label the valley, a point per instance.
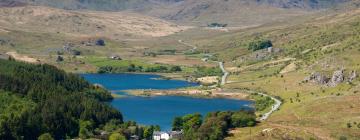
(298, 60)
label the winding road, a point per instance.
(226, 73)
(265, 116)
(275, 107)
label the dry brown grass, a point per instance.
(85, 23)
(23, 58)
(178, 60)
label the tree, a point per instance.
(86, 128)
(215, 125)
(117, 136)
(177, 124)
(259, 44)
(45, 136)
(175, 69)
(59, 59)
(100, 42)
(148, 131)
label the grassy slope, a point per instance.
(333, 43)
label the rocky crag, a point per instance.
(337, 78)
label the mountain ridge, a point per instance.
(201, 12)
(116, 5)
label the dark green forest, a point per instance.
(39, 99)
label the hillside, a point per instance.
(195, 12)
(115, 5)
(84, 23)
(11, 3)
(326, 45)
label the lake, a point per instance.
(159, 110)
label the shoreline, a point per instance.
(194, 93)
(165, 76)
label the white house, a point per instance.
(158, 135)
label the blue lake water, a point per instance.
(159, 110)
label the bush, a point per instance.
(59, 59)
(100, 42)
(75, 52)
(343, 138)
(175, 69)
(217, 25)
(117, 136)
(259, 44)
(45, 136)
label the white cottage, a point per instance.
(158, 135)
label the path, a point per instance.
(226, 73)
(275, 107)
(187, 44)
(277, 104)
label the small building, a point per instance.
(158, 135)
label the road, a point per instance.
(187, 44)
(225, 73)
(265, 116)
(275, 107)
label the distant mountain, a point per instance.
(304, 4)
(11, 3)
(201, 12)
(115, 5)
(82, 23)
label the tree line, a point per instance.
(135, 68)
(214, 126)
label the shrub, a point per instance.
(100, 42)
(216, 25)
(45, 136)
(117, 136)
(175, 69)
(259, 44)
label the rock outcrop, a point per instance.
(317, 78)
(337, 78)
(352, 76)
